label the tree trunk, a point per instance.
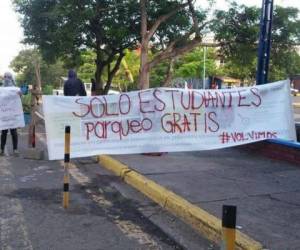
(37, 70)
(144, 66)
(36, 95)
(242, 82)
(98, 79)
(146, 34)
(169, 75)
(99, 70)
(111, 73)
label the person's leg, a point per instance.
(3, 139)
(14, 136)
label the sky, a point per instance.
(12, 34)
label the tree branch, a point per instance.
(194, 17)
(180, 50)
(185, 37)
(162, 19)
(113, 71)
(169, 73)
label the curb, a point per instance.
(204, 223)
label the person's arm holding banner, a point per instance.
(11, 112)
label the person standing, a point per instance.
(9, 82)
(74, 86)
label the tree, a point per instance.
(86, 70)
(285, 61)
(29, 61)
(127, 76)
(191, 64)
(237, 31)
(171, 28)
(64, 29)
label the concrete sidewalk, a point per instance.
(266, 192)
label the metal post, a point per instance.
(204, 69)
(228, 227)
(66, 167)
(264, 42)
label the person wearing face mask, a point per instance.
(8, 81)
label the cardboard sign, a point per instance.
(11, 111)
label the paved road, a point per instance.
(104, 212)
(107, 214)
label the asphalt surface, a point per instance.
(104, 212)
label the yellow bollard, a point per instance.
(228, 227)
(66, 167)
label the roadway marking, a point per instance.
(13, 231)
(127, 227)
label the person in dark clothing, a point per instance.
(74, 86)
(14, 136)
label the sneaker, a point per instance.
(16, 153)
(2, 153)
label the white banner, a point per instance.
(11, 111)
(168, 120)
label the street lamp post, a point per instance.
(264, 42)
(204, 59)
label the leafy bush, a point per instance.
(47, 89)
